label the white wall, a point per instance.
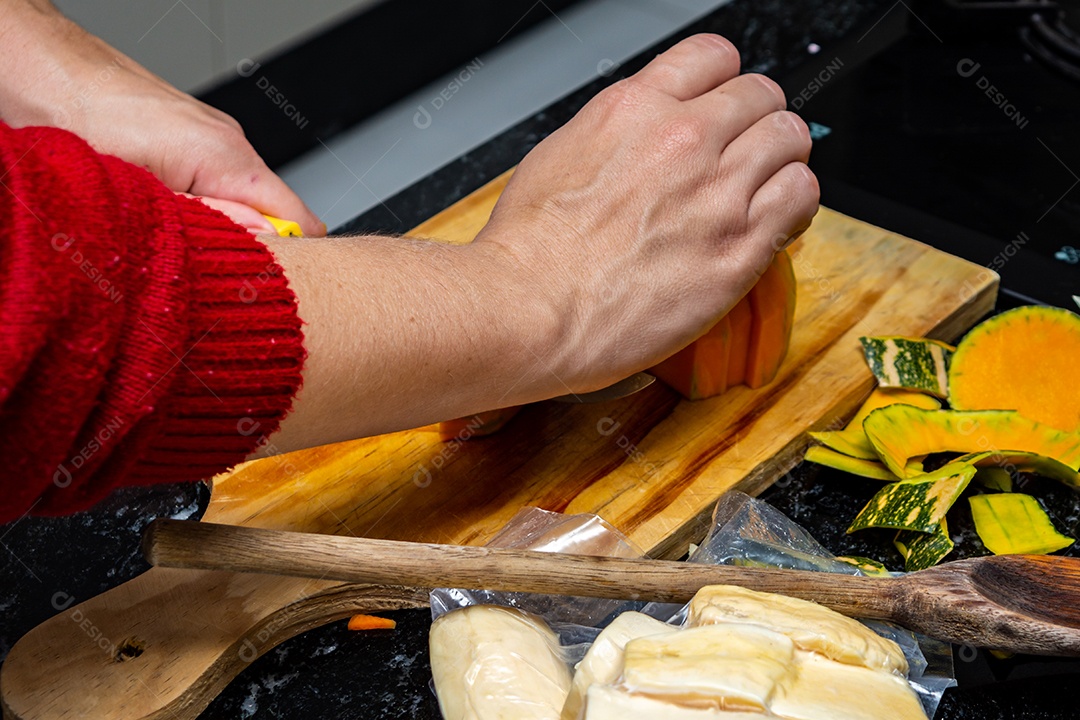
(195, 43)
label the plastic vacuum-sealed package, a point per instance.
(729, 653)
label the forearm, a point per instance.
(42, 59)
(401, 333)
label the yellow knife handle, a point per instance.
(285, 228)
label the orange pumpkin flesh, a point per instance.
(478, 425)
(773, 305)
(700, 369)
(1024, 360)
(747, 346)
(741, 318)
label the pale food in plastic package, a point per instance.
(497, 663)
(822, 689)
(603, 663)
(756, 655)
(751, 656)
(609, 703)
(809, 625)
(729, 666)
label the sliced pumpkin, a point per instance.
(883, 397)
(852, 440)
(910, 363)
(741, 319)
(478, 425)
(900, 432)
(700, 370)
(1025, 360)
(856, 466)
(846, 443)
(994, 478)
(1015, 524)
(745, 347)
(865, 565)
(1023, 462)
(772, 302)
(917, 504)
(924, 550)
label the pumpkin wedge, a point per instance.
(867, 566)
(741, 319)
(918, 504)
(924, 550)
(995, 478)
(1015, 524)
(909, 363)
(852, 440)
(1025, 360)
(1024, 462)
(856, 466)
(746, 346)
(901, 432)
(700, 370)
(478, 425)
(772, 302)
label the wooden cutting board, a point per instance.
(163, 644)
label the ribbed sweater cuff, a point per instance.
(236, 378)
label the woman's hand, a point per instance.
(54, 73)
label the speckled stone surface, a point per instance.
(331, 673)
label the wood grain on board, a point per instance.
(164, 644)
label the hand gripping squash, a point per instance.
(746, 346)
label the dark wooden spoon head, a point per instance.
(1021, 603)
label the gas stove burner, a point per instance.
(1052, 40)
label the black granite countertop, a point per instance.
(333, 673)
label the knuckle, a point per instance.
(791, 123)
(769, 86)
(807, 185)
(686, 133)
(717, 44)
(622, 96)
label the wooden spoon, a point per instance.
(1020, 603)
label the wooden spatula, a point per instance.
(1020, 603)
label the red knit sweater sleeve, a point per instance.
(144, 338)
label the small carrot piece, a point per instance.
(370, 622)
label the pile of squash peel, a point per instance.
(1013, 408)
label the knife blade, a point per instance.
(626, 386)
